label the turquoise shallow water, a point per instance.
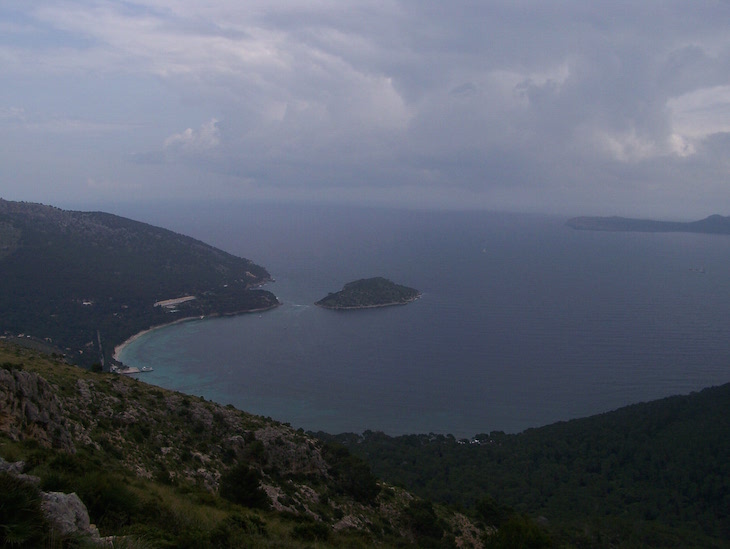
(522, 322)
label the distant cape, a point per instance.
(714, 224)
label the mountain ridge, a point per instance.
(87, 281)
(713, 224)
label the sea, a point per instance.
(522, 322)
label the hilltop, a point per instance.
(714, 224)
(173, 470)
(369, 292)
(83, 282)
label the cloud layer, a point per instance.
(573, 107)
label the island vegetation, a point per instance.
(83, 282)
(714, 224)
(369, 292)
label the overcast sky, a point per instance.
(566, 106)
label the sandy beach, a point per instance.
(118, 349)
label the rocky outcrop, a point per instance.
(30, 408)
(15, 469)
(289, 455)
(68, 515)
(65, 513)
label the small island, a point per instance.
(368, 293)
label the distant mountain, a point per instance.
(714, 224)
(86, 281)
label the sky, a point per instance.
(568, 107)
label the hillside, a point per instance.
(76, 280)
(655, 474)
(367, 293)
(714, 224)
(173, 470)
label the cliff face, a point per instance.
(110, 438)
(31, 409)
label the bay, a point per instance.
(523, 321)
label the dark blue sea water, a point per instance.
(523, 321)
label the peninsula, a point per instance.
(84, 282)
(714, 224)
(367, 293)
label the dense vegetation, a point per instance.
(651, 474)
(369, 292)
(76, 279)
(157, 468)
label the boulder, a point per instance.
(68, 515)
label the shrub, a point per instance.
(352, 475)
(311, 531)
(423, 523)
(518, 531)
(491, 512)
(241, 485)
(236, 531)
(21, 520)
(110, 502)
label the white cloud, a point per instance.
(12, 114)
(701, 112)
(629, 147)
(206, 139)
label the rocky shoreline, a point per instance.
(378, 306)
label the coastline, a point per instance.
(391, 304)
(119, 348)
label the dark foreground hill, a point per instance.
(78, 280)
(155, 468)
(655, 474)
(714, 224)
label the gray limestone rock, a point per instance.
(68, 514)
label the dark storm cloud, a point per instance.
(524, 105)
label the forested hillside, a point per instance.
(76, 278)
(652, 474)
